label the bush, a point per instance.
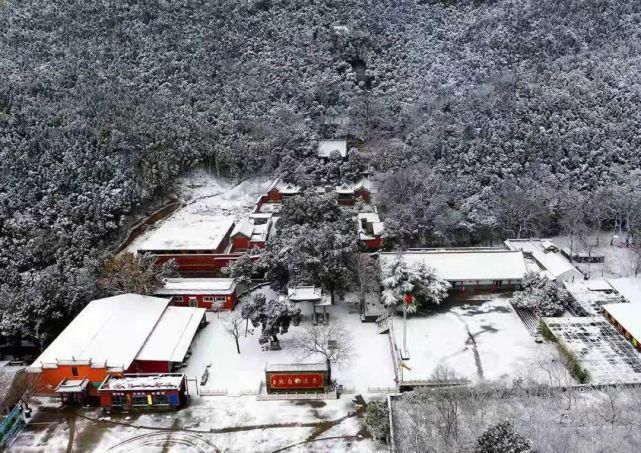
(541, 295)
(377, 419)
(502, 438)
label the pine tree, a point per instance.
(502, 438)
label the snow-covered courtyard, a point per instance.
(233, 373)
(479, 340)
(209, 424)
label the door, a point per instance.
(193, 302)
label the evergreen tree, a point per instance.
(502, 438)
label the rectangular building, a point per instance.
(297, 378)
(197, 247)
(207, 293)
(143, 391)
(112, 336)
(469, 268)
(626, 318)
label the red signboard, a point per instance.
(295, 380)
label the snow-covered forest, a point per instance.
(501, 115)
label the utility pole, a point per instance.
(407, 299)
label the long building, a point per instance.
(207, 293)
(113, 336)
(469, 268)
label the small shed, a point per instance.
(144, 391)
(73, 391)
(297, 377)
(314, 295)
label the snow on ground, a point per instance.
(208, 197)
(630, 288)
(619, 260)
(227, 424)
(371, 365)
(480, 340)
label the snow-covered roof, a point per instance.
(555, 265)
(599, 285)
(284, 187)
(205, 234)
(185, 286)
(628, 287)
(244, 227)
(628, 315)
(255, 233)
(461, 264)
(108, 332)
(326, 147)
(373, 220)
(72, 386)
(143, 382)
(304, 293)
(363, 183)
(344, 189)
(172, 335)
(261, 215)
(294, 367)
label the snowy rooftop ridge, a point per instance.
(185, 286)
(172, 335)
(206, 235)
(304, 293)
(170, 381)
(294, 367)
(628, 315)
(462, 264)
(546, 254)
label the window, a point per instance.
(220, 299)
(208, 299)
(117, 400)
(161, 399)
(74, 371)
(140, 400)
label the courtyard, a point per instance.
(479, 338)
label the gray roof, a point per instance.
(296, 367)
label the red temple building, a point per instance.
(207, 293)
(113, 336)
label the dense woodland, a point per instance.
(482, 119)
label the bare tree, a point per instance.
(572, 218)
(233, 328)
(365, 276)
(129, 273)
(332, 342)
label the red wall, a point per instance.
(51, 377)
(149, 366)
(240, 242)
(230, 301)
(274, 196)
(373, 244)
(363, 194)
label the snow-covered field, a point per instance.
(209, 424)
(370, 366)
(481, 340)
(208, 198)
